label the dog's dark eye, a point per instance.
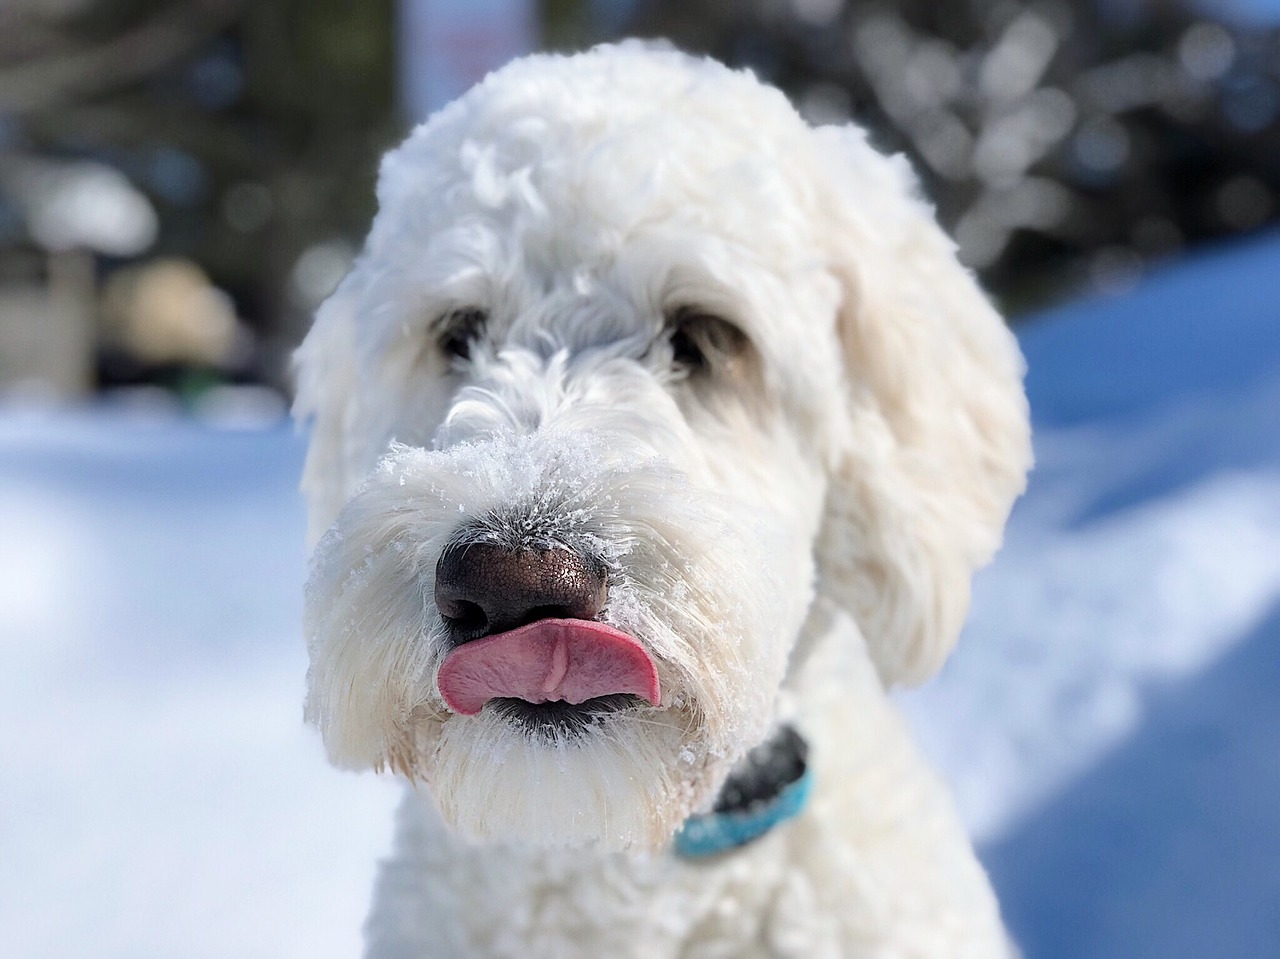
(685, 351)
(459, 330)
(701, 342)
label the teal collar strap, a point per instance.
(770, 786)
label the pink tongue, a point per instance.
(551, 659)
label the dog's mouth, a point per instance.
(561, 720)
(553, 671)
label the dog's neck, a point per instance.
(772, 783)
(769, 786)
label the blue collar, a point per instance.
(769, 787)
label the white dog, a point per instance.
(655, 434)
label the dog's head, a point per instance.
(637, 378)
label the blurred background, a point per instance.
(183, 181)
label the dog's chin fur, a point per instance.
(626, 783)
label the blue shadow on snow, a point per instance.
(1169, 848)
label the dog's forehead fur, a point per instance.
(586, 198)
(574, 157)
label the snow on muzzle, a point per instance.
(549, 660)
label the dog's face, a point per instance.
(635, 369)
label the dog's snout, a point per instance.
(484, 588)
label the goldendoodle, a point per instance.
(655, 435)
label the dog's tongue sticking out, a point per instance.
(551, 659)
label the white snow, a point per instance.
(159, 794)
(1107, 720)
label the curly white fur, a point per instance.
(787, 530)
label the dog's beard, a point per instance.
(618, 783)
(689, 578)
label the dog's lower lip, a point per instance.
(559, 717)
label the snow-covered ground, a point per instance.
(159, 795)
(1110, 721)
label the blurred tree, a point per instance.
(1064, 143)
(254, 128)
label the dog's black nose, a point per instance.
(483, 588)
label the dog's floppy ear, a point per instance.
(937, 444)
(327, 370)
